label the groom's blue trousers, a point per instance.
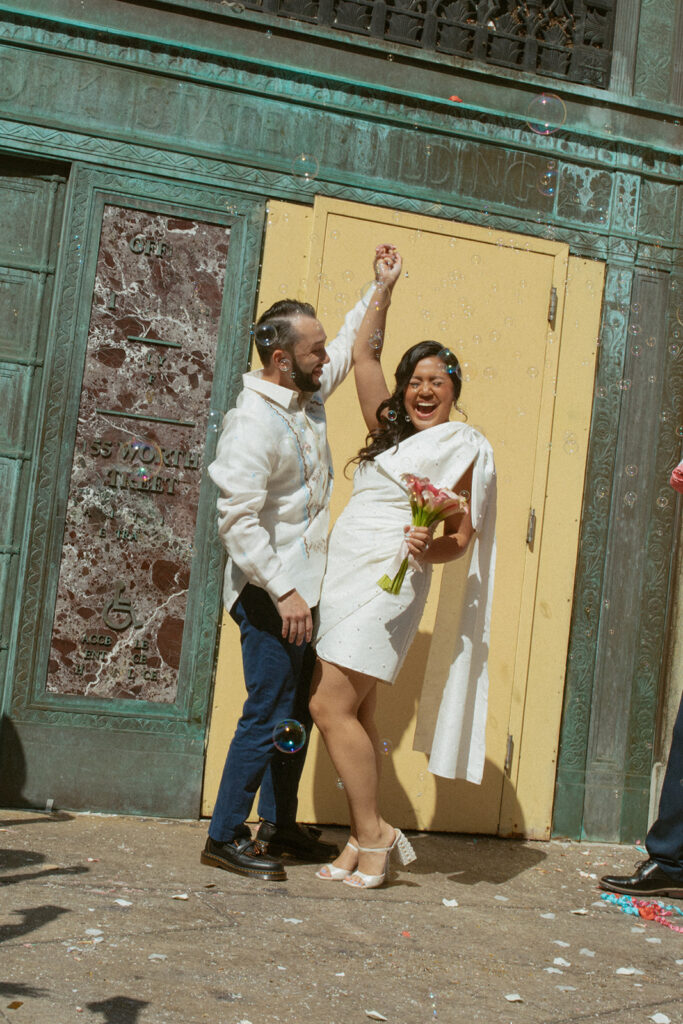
(277, 675)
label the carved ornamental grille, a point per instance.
(570, 39)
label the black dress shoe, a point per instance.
(297, 841)
(244, 856)
(647, 880)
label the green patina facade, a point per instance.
(200, 108)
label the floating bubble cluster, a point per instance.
(547, 182)
(289, 736)
(376, 340)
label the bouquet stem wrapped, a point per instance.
(429, 505)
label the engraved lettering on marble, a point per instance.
(138, 457)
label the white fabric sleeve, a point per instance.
(244, 462)
(340, 349)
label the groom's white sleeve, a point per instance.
(340, 349)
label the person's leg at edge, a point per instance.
(337, 697)
(664, 841)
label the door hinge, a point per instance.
(508, 755)
(552, 306)
(531, 528)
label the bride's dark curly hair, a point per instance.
(394, 423)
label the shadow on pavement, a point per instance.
(45, 816)
(118, 1009)
(15, 988)
(34, 917)
(77, 869)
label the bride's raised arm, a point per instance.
(370, 383)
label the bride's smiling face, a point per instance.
(429, 394)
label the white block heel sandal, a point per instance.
(406, 855)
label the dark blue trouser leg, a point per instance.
(665, 839)
(277, 675)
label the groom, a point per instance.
(274, 472)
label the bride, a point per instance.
(364, 632)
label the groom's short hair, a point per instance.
(274, 328)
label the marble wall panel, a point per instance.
(135, 479)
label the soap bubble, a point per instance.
(476, 259)
(635, 308)
(391, 415)
(289, 736)
(547, 182)
(631, 471)
(340, 784)
(489, 372)
(215, 420)
(305, 166)
(636, 350)
(265, 335)
(630, 499)
(624, 385)
(376, 340)
(546, 113)
(142, 459)
(532, 371)
(571, 445)
(674, 350)
(376, 294)
(634, 329)
(662, 501)
(385, 747)
(468, 370)
(448, 359)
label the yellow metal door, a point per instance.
(487, 296)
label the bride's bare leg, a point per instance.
(342, 705)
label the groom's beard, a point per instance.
(304, 381)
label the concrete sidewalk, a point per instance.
(113, 920)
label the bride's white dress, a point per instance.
(361, 626)
(364, 628)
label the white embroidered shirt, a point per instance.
(274, 470)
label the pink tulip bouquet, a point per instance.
(429, 505)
